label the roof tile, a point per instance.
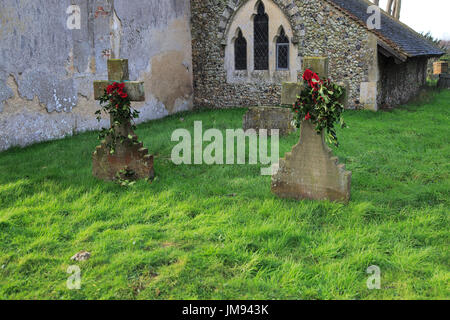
(409, 41)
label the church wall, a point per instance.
(319, 30)
(399, 82)
(277, 22)
(47, 70)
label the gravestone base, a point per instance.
(130, 161)
(269, 118)
(310, 171)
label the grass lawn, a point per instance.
(217, 232)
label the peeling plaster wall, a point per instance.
(47, 70)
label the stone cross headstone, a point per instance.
(310, 171)
(318, 65)
(290, 90)
(130, 156)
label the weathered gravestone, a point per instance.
(280, 118)
(290, 90)
(130, 156)
(310, 171)
(317, 64)
(269, 118)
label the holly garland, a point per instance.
(319, 102)
(116, 103)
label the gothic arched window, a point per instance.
(282, 51)
(240, 52)
(261, 39)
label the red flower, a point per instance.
(113, 87)
(315, 81)
(316, 77)
(308, 75)
(312, 78)
(109, 89)
(117, 88)
(308, 116)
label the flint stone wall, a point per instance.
(398, 83)
(320, 30)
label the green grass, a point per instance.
(217, 232)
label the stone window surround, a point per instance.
(241, 19)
